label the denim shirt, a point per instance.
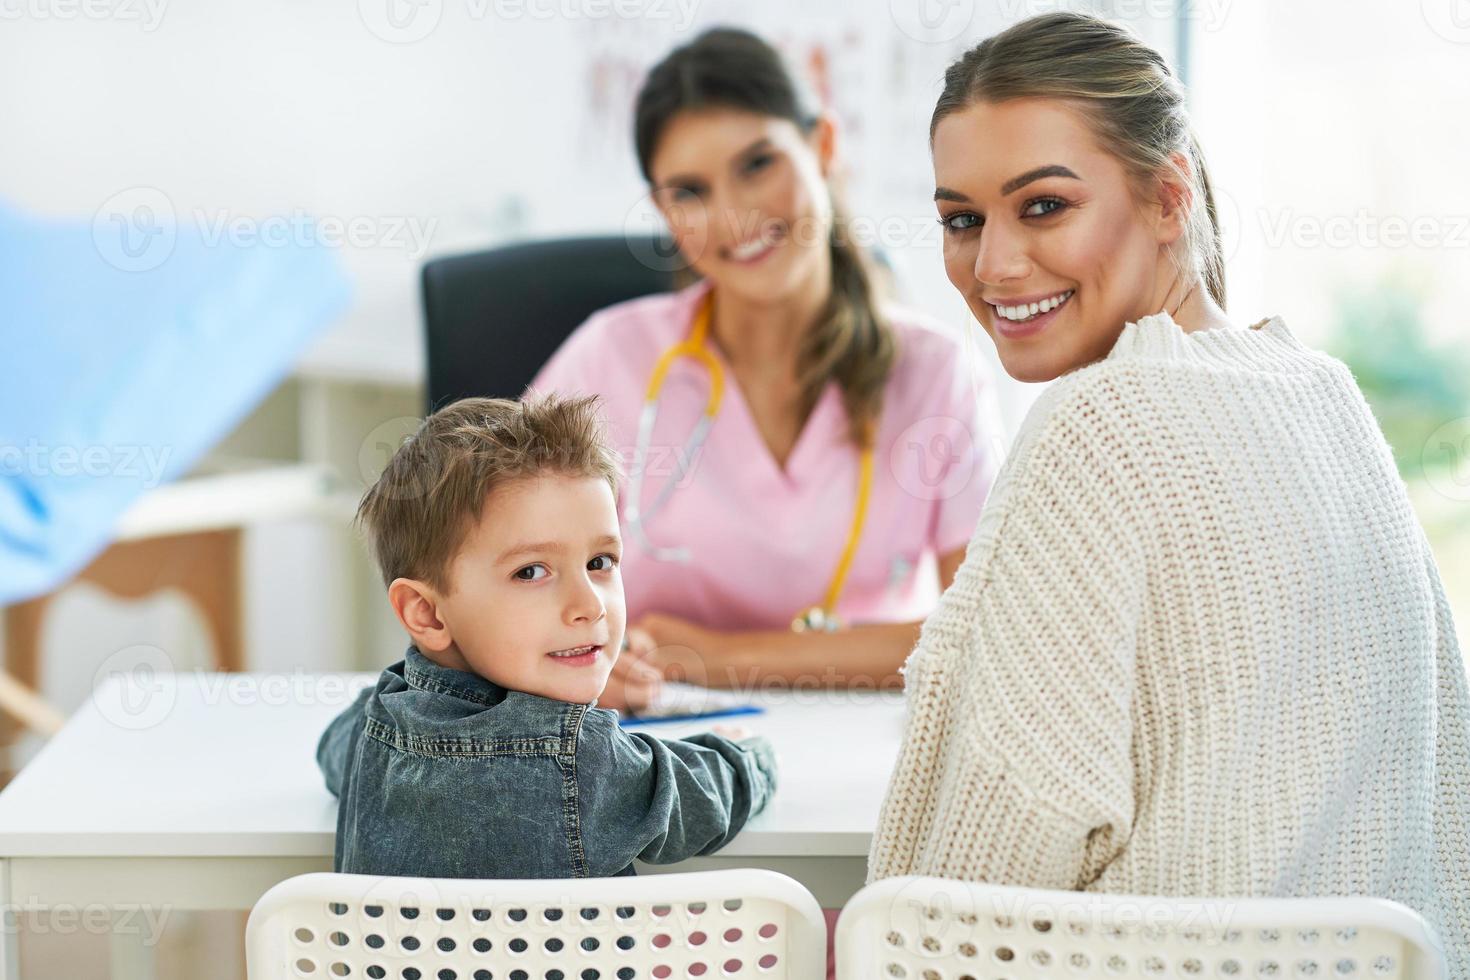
(442, 773)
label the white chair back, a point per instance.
(914, 928)
(716, 925)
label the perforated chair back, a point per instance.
(736, 924)
(936, 929)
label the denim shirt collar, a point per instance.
(423, 674)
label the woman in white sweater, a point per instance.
(1198, 644)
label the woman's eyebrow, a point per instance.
(1012, 185)
(681, 181)
(1050, 170)
(764, 143)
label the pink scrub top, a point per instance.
(764, 540)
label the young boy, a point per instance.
(480, 754)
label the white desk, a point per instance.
(200, 791)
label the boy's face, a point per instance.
(536, 600)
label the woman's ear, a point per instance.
(823, 141)
(417, 608)
(1176, 197)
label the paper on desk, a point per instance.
(131, 343)
(681, 702)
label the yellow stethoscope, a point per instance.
(823, 617)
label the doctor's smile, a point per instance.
(752, 251)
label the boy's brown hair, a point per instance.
(433, 490)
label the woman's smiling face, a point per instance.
(1035, 212)
(745, 198)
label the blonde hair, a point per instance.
(1123, 89)
(433, 491)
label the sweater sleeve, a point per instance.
(1452, 762)
(1021, 687)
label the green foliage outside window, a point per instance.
(1419, 391)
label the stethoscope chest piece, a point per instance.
(816, 620)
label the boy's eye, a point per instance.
(609, 562)
(527, 574)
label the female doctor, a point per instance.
(805, 466)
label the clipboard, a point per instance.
(690, 702)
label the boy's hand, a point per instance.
(633, 684)
(734, 733)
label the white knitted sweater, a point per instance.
(1198, 646)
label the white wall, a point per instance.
(505, 119)
(472, 122)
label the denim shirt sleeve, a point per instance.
(661, 801)
(334, 749)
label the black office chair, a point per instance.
(493, 318)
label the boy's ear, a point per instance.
(416, 606)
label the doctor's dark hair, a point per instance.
(726, 68)
(432, 493)
(1122, 88)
